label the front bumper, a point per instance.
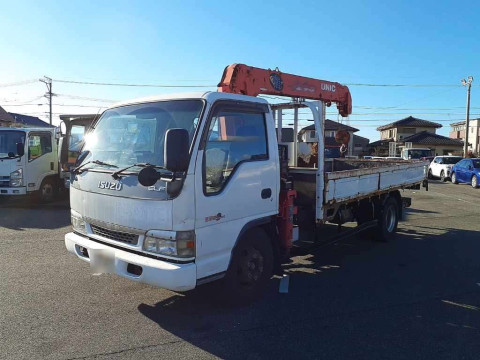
(22, 190)
(176, 277)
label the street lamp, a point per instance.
(467, 83)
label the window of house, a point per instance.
(233, 138)
(390, 133)
(38, 145)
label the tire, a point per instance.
(251, 267)
(387, 220)
(430, 176)
(454, 178)
(442, 176)
(47, 191)
(474, 181)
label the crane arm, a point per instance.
(248, 80)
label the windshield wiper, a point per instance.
(97, 162)
(116, 174)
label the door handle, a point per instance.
(266, 193)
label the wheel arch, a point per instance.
(266, 224)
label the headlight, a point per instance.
(16, 178)
(178, 244)
(78, 224)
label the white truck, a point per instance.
(416, 153)
(28, 163)
(179, 190)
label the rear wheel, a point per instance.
(442, 176)
(454, 178)
(388, 220)
(250, 268)
(474, 181)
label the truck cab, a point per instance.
(170, 228)
(28, 162)
(416, 153)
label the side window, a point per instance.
(38, 145)
(233, 137)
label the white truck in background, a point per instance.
(416, 153)
(179, 190)
(28, 163)
(30, 158)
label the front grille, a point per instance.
(131, 239)
(4, 181)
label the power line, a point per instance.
(132, 85)
(19, 83)
(86, 98)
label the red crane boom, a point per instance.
(248, 80)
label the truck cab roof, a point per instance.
(209, 96)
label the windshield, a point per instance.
(136, 133)
(418, 153)
(451, 160)
(9, 140)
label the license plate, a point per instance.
(102, 261)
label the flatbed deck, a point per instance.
(348, 180)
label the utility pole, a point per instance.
(48, 81)
(468, 84)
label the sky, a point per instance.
(428, 46)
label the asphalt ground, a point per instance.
(416, 297)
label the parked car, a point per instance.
(429, 158)
(441, 167)
(467, 171)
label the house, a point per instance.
(458, 132)
(6, 120)
(21, 120)
(413, 132)
(307, 135)
(399, 130)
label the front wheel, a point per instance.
(251, 267)
(454, 178)
(430, 175)
(388, 220)
(47, 192)
(474, 181)
(442, 176)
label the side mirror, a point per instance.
(63, 128)
(148, 176)
(176, 156)
(63, 151)
(20, 149)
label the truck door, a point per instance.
(42, 160)
(71, 144)
(236, 180)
